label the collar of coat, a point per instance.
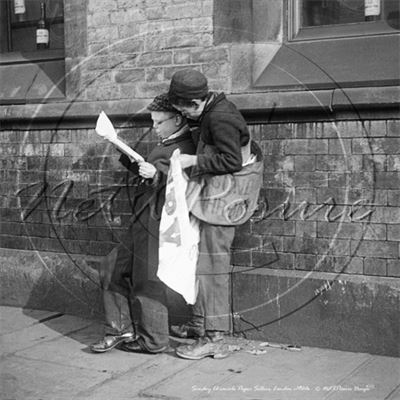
(212, 100)
(181, 134)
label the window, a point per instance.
(37, 67)
(314, 19)
(19, 20)
(334, 44)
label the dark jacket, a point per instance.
(223, 131)
(144, 229)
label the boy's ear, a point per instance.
(178, 119)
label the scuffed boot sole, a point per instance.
(213, 354)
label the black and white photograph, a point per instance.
(200, 199)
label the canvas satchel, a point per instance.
(229, 199)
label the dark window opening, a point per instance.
(334, 12)
(319, 19)
(337, 44)
(32, 65)
(19, 22)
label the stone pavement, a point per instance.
(45, 356)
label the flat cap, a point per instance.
(188, 84)
(161, 103)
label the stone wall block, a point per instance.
(393, 231)
(381, 249)
(387, 180)
(393, 268)
(98, 18)
(377, 129)
(211, 54)
(181, 56)
(304, 163)
(129, 75)
(354, 266)
(375, 231)
(306, 262)
(340, 230)
(151, 89)
(154, 59)
(393, 128)
(340, 146)
(351, 129)
(393, 197)
(307, 146)
(127, 16)
(184, 11)
(10, 137)
(375, 266)
(393, 162)
(154, 74)
(127, 46)
(102, 34)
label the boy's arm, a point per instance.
(227, 158)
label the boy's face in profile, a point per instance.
(194, 111)
(164, 123)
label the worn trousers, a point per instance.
(138, 307)
(213, 305)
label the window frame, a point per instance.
(296, 33)
(22, 57)
(344, 61)
(31, 23)
(26, 64)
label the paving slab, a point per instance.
(33, 334)
(72, 350)
(13, 319)
(134, 383)
(363, 384)
(395, 395)
(25, 379)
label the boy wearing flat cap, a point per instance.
(131, 288)
(220, 150)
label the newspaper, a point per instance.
(179, 237)
(105, 129)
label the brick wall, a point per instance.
(65, 190)
(330, 200)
